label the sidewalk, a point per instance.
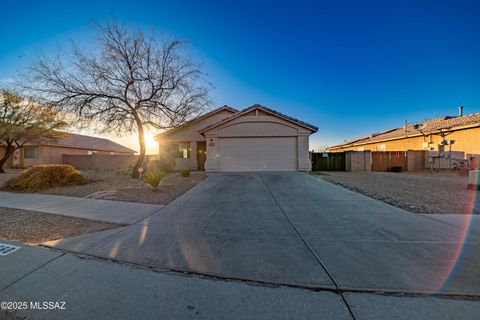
(97, 289)
(102, 210)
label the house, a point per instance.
(460, 133)
(48, 151)
(225, 139)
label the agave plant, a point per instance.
(153, 178)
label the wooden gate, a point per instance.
(385, 160)
(331, 161)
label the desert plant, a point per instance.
(46, 176)
(186, 173)
(153, 178)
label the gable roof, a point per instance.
(72, 140)
(201, 117)
(266, 109)
(439, 124)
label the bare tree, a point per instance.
(131, 83)
(23, 121)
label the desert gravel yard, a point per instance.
(35, 227)
(111, 185)
(420, 192)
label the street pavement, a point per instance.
(278, 245)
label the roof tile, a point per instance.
(443, 123)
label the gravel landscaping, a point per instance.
(111, 185)
(35, 227)
(420, 192)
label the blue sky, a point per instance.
(348, 67)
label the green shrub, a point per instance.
(186, 173)
(153, 178)
(46, 176)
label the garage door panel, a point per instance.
(258, 154)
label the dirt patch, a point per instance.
(35, 227)
(420, 192)
(109, 185)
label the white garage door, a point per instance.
(258, 154)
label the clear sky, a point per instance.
(348, 67)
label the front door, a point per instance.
(201, 154)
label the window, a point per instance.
(92, 152)
(31, 152)
(179, 150)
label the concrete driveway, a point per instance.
(295, 229)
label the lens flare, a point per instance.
(455, 260)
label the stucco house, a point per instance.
(460, 133)
(254, 139)
(48, 151)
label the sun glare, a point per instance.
(150, 142)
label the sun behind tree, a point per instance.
(131, 83)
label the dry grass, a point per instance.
(42, 177)
(422, 192)
(35, 227)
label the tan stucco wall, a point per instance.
(467, 140)
(54, 155)
(190, 135)
(259, 124)
(271, 127)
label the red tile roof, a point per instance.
(440, 124)
(72, 140)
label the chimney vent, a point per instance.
(460, 111)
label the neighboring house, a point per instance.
(254, 139)
(47, 151)
(433, 135)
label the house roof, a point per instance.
(203, 116)
(72, 140)
(258, 106)
(446, 123)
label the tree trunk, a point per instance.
(141, 156)
(9, 149)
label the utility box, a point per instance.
(473, 180)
